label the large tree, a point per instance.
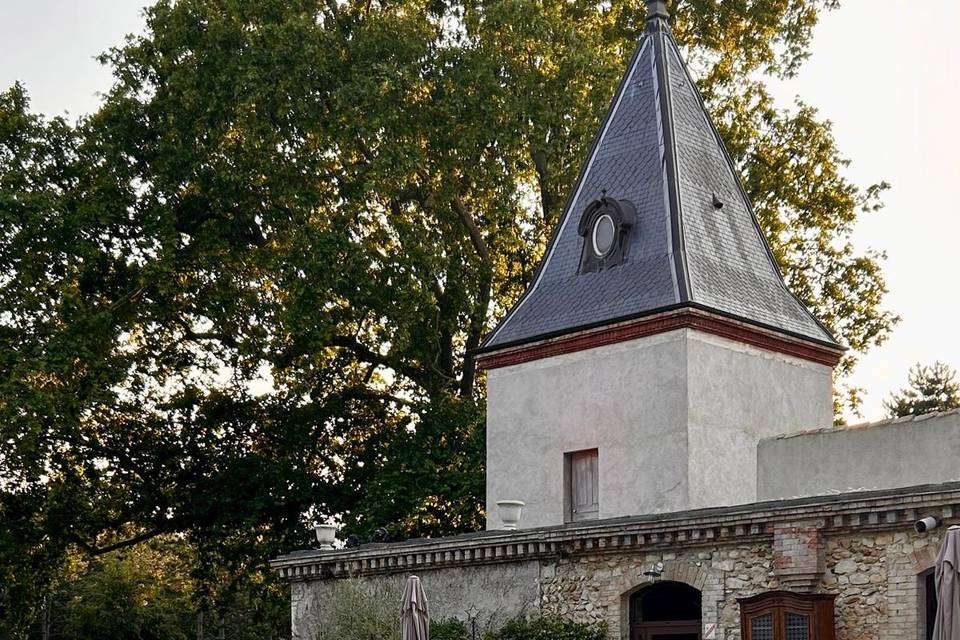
(245, 292)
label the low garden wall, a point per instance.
(902, 453)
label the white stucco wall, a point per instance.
(676, 419)
(900, 453)
(738, 395)
(628, 400)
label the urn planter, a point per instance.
(510, 512)
(326, 535)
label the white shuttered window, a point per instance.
(583, 485)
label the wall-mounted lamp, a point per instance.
(656, 572)
(926, 524)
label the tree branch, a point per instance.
(546, 199)
(94, 551)
(476, 236)
(478, 321)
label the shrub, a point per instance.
(449, 629)
(548, 629)
(360, 611)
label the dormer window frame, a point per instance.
(623, 216)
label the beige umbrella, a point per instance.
(947, 624)
(414, 615)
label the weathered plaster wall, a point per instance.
(495, 592)
(676, 418)
(902, 453)
(628, 400)
(738, 395)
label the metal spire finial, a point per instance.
(657, 9)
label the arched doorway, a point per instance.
(665, 611)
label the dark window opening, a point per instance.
(668, 601)
(666, 611)
(930, 602)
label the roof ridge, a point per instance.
(659, 30)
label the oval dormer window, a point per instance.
(605, 227)
(604, 233)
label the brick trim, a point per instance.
(661, 323)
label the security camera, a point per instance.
(926, 524)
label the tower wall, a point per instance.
(676, 418)
(738, 395)
(627, 400)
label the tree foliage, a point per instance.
(147, 592)
(245, 292)
(929, 389)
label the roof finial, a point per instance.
(657, 9)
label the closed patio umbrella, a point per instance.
(947, 624)
(414, 614)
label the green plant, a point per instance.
(448, 629)
(361, 612)
(548, 629)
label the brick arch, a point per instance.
(633, 581)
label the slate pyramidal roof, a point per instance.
(659, 150)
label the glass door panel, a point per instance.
(761, 627)
(798, 626)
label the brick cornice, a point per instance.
(687, 318)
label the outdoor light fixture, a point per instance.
(656, 572)
(926, 524)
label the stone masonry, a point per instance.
(861, 547)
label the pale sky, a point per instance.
(886, 72)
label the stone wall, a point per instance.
(877, 576)
(861, 547)
(489, 593)
(598, 587)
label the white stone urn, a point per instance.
(326, 535)
(510, 512)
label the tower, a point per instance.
(657, 343)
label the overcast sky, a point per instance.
(886, 72)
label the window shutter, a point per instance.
(584, 486)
